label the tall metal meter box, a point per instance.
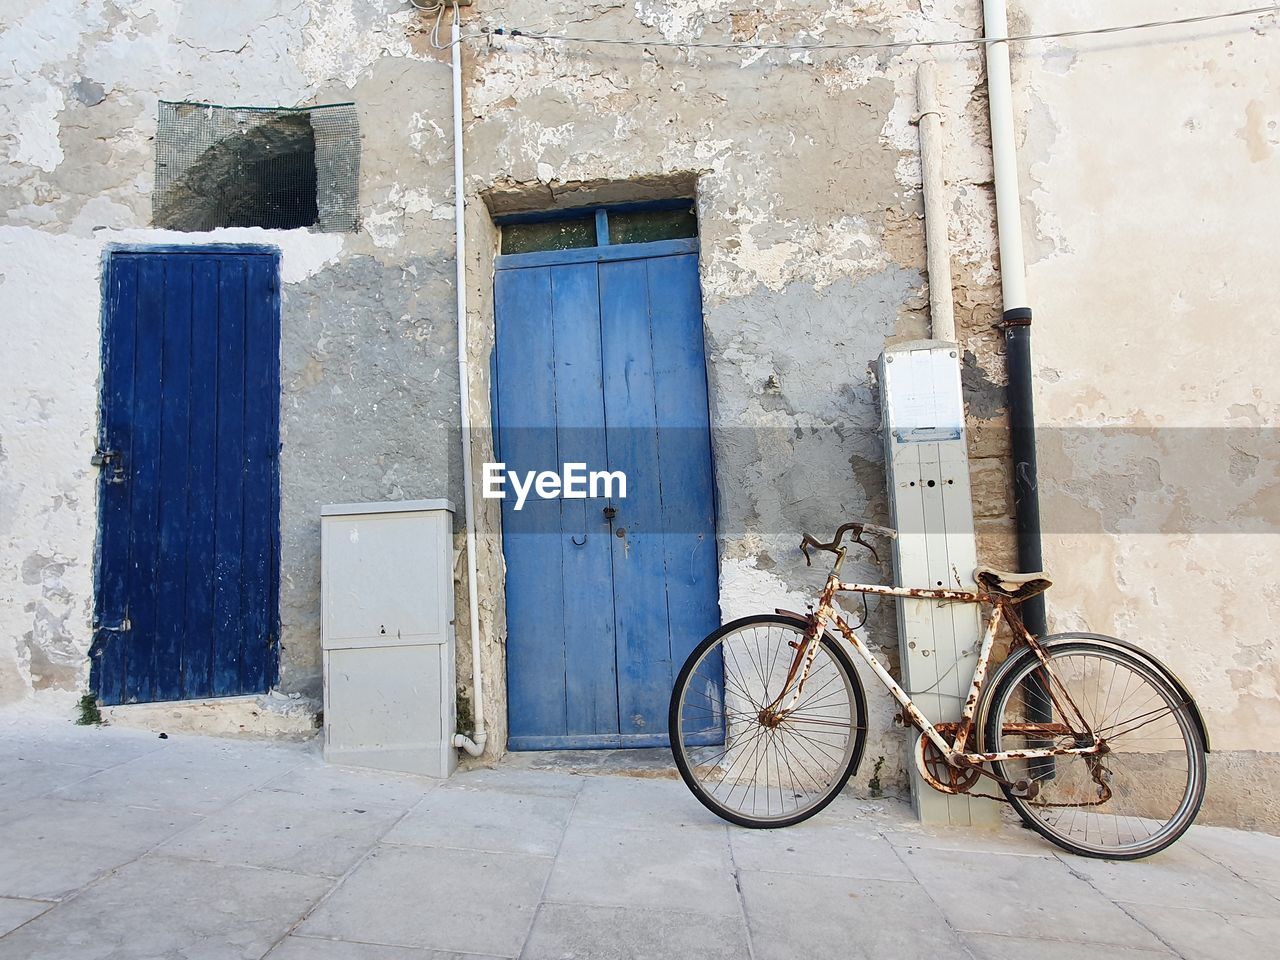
(929, 499)
(386, 596)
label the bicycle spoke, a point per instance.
(765, 766)
(1133, 798)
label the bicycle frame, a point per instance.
(827, 613)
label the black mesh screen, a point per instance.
(275, 168)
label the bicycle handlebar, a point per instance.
(858, 527)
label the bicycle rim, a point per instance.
(1153, 769)
(739, 765)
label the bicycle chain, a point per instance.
(1095, 773)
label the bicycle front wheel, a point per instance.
(751, 765)
(1133, 799)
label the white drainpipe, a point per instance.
(937, 243)
(1016, 309)
(475, 746)
(1004, 154)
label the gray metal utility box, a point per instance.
(386, 599)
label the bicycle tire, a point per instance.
(1149, 823)
(692, 758)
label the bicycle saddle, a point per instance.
(1015, 586)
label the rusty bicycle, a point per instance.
(1093, 741)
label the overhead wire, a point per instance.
(489, 33)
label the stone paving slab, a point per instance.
(495, 820)
(791, 916)
(573, 930)
(115, 845)
(14, 912)
(1180, 877)
(1245, 854)
(659, 869)
(323, 836)
(453, 900)
(818, 849)
(313, 948)
(201, 776)
(986, 946)
(1031, 897)
(59, 846)
(161, 907)
(1203, 935)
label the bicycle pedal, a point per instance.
(1025, 789)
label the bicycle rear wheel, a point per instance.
(1153, 768)
(751, 768)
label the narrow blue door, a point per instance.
(187, 580)
(600, 361)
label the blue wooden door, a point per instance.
(187, 579)
(600, 361)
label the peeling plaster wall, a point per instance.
(1151, 165)
(806, 177)
(812, 258)
(370, 393)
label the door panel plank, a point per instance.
(228, 498)
(684, 453)
(591, 680)
(112, 606)
(260, 401)
(531, 536)
(197, 654)
(175, 434)
(639, 575)
(145, 480)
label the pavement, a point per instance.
(117, 844)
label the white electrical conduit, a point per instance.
(937, 243)
(475, 746)
(1004, 155)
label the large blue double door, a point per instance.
(602, 363)
(188, 538)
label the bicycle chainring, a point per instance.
(942, 776)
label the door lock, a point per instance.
(110, 458)
(610, 512)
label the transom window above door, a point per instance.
(598, 226)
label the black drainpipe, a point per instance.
(1022, 443)
(1026, 503)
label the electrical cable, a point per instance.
(515, 32)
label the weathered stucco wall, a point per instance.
(807, 188)
(1147, 215)
(370, 396)
(1151, 165)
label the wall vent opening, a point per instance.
(275, 168)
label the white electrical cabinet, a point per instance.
(386, 597)
(929, 499)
